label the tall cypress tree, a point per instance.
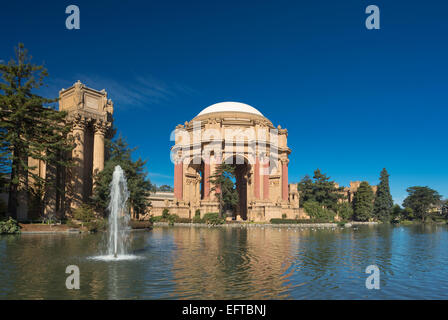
(363, 202)
(28, 127)
(382, 208)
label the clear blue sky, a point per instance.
(353, 100)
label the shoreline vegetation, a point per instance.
(39, 228)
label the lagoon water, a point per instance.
(232, 263)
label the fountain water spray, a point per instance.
(118, 217)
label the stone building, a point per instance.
(159, 200)
(354, 185)
(90, 113)
(239, 135)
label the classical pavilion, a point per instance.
(239, 135)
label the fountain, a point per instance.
(118, 232)
(118, 218)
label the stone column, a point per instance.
(206, 179)
(178, 180)
(181, 180)
(176, 173)
(266, 179)
(218, 160)
(98, 147)
(79, 126)
(257, 178)
(285, 180)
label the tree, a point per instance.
(224, 187)
(344, 211)
(363, 202)
(396, 213)
(420, 200)
(317, 212)
(28, 128)
(382, 207)
(325, 191)
(139, 185)
(305, 188)
(165, 188)
(321, 190)
(445, 207)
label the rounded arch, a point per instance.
(243, 172)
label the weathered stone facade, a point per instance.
(350, 191)
(90, 113)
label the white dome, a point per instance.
(230, 107)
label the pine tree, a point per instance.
(363, 202)
(29, 128)
(325, 191)
(382, 208)
(306, 190)
(139, 185)
(321, 190)
(225, 187)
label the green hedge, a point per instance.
(213, 218)
(170, 218)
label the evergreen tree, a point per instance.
(383, 204)
(420, 200)
(325, 191)
(225, 187)
(28, 128)
(306, 190)
(363, 202)
(138, 185)
(321, 190)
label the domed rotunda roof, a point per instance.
(230, 107)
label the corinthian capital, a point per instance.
(79, 122)
(101, 127)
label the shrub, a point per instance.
(9, 226)
(156, 219)
(345, 211)
(284, 216)
(197, 219)
(183, 220)
(317, 212)
(96, 225)
(84, 213)
(165, 214)
(172, 218)
(213, 218)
